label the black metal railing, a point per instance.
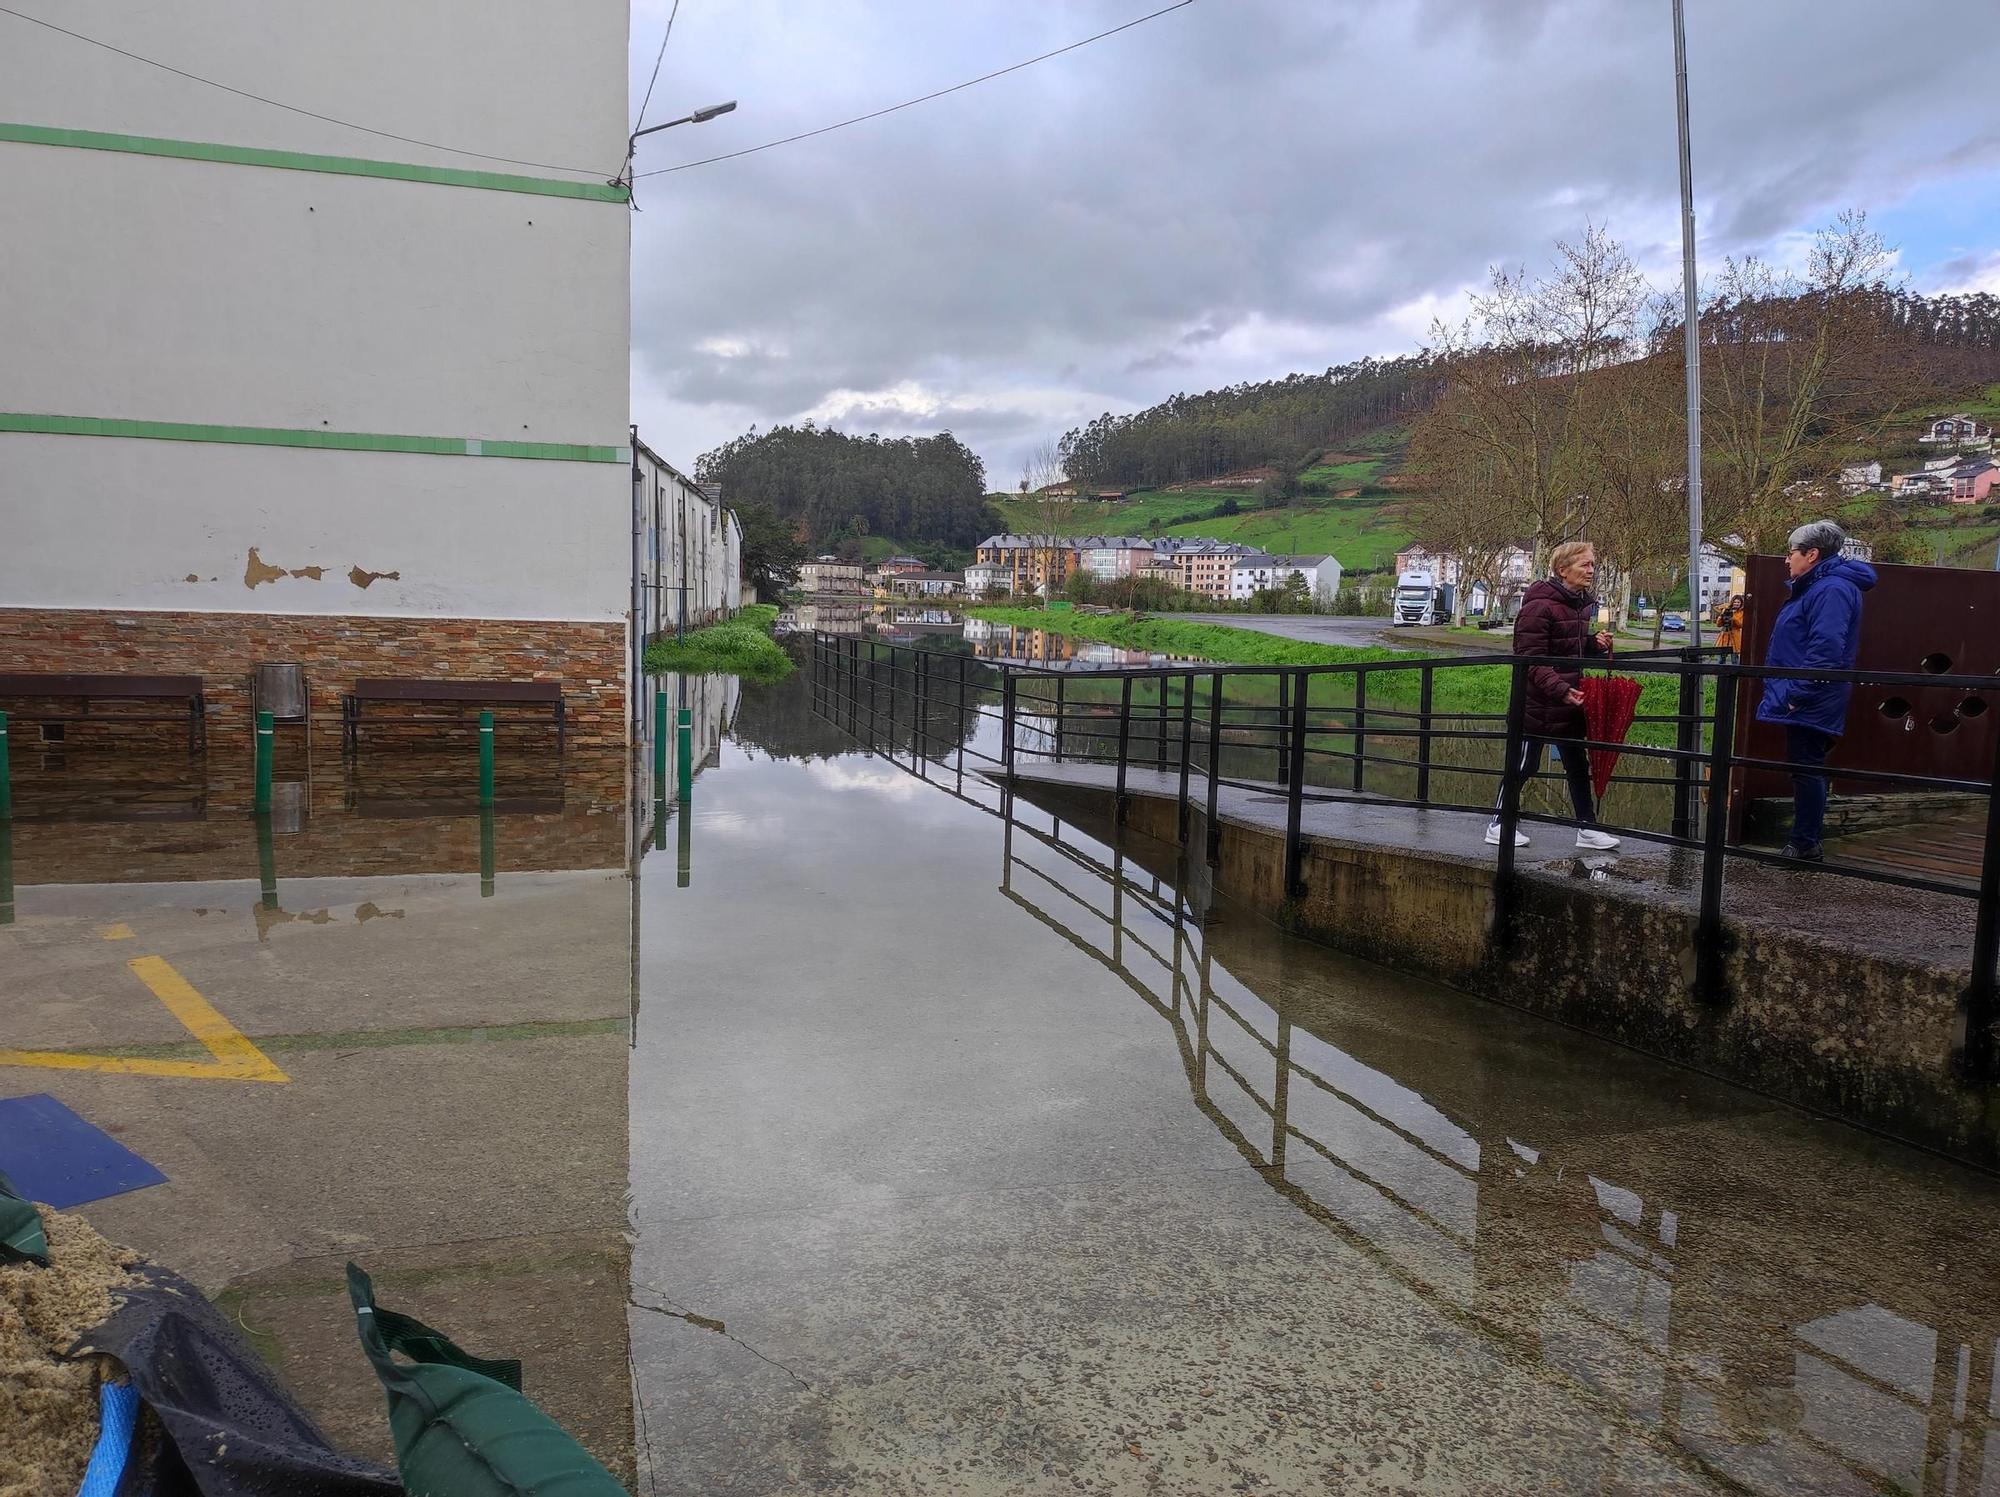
(1356, 733)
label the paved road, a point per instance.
(1318, 628)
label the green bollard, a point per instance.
(485, 758)
(684, 751)
(6, 872)
(6, 775)
(266, 734)
(267, 862)
(486, 850)
(659, 745)
(684, 866)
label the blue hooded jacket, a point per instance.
(1821, 625)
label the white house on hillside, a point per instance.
(1321, 574)
(1251, 574)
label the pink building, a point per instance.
(1973, 483)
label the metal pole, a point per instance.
(6, 871)
(1979, 993)
(1284, 716)
(6, 776)
(1360, 729)
(1007, 724)
(684, 758)
(485, 758)
(1187, 737)
(1715, 825)
(1687, 741)
(1124, 801)
(1691, 329)
(659, 745)
(267, 864)
(1214, 765)
(1295, 801)
(1510, 808)
(894, 687)
(684, 849)
(1059, 718)
(1160, 724)
(261, 803)
(1424, 735)
(486, 858)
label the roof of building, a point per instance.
(1302, 561)
(932, 577)
(1255, 559)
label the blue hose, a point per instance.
(118, 1406)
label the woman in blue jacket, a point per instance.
(1820, 626)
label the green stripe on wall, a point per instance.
(279, 436)
(300, 161)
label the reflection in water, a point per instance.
(1789, 1305)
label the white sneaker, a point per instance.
(1595, 840)
(1493, 836)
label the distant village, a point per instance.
(1042, 566)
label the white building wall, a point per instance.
(224, 296)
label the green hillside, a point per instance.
(1364, 534)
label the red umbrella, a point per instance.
(1608, 704)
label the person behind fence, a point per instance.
(1555, 621)
(1820, 625)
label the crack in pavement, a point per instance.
(681, 1312)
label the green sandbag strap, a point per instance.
(21, 1236)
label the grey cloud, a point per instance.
(1232, 192)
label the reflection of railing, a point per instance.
(1324, 734)
(1547, 1262)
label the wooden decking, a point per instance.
(1948, 849)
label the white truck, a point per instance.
(1421, 600)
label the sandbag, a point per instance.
(21, 1237)
(228, 1427)
(461, 1425)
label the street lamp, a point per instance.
(1691, 330)
(699, 117)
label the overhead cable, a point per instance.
(658, 57)
(924, 99)
(293, 108)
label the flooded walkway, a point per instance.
(975, 1153)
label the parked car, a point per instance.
(1674, 623)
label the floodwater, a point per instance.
(977, 1152)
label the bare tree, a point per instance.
(1523, 366)
(1050, 499)
(1797, 370)
(1468, 509)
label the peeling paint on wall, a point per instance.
(258, 571)
(362, 578)
(315, 573)
(192, 577)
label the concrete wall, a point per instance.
(227, 295)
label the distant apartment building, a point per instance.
(276, 391)
(1108, 558)
(986, 579)
(899, 566)
(927, 584)
(1859, 478)
(1204, 566)
(1250, 575)
(1321, 575)
(829, 574)
(1034, 563)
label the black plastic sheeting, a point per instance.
(230, 1429)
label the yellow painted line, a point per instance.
(119, 932)
(236, 1058)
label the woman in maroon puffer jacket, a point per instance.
(1555, 621)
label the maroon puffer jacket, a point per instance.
(1554, 620)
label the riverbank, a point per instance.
(740, 646)
(1473, 690)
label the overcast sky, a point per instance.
(1237, 190)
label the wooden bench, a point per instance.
(76, 692)
(544, 696)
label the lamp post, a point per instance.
(700, 117)
(1691, 329)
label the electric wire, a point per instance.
(924, 99)
(658, 57)
(294, 108)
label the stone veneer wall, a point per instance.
(589, 659)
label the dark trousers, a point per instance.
(1576, 769)
(1807, 748)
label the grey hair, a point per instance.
(1822, 536)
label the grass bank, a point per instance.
(740, 646)
(1462, 689)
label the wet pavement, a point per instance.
(975, 1153)
(381, 1026)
